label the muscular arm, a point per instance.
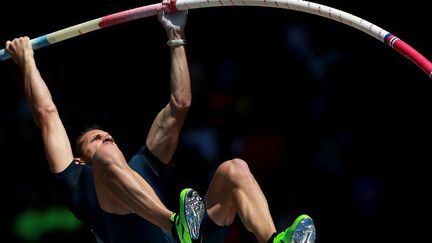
(164, 133)
(56, 143)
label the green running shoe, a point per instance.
(301, 231)
(188, 221)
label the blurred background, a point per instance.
(331, 121)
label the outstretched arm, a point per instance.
(57, 146)
(164, 133)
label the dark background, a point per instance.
(332, 122)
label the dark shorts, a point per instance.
(211, 232)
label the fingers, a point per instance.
(20, 40)
(165, 6)
(166, 3)
(8, 43)
(19, 48)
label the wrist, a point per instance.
(176, 42)
(175, 34)
(176, 38)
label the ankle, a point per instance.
(270, 240)
(174, 232)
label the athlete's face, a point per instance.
(92, 140)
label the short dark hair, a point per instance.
(78, 143)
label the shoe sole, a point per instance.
(304, 230)
(191, 209)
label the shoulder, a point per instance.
(71, 176)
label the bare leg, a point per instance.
(235, 190)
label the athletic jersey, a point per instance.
(75, 188)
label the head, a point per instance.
(89, 141)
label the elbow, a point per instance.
(186, 102)
(183, 104)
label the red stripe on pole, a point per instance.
(128, 15)
(413, 55)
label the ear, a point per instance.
(79, 161)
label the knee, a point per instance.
(235, 170)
